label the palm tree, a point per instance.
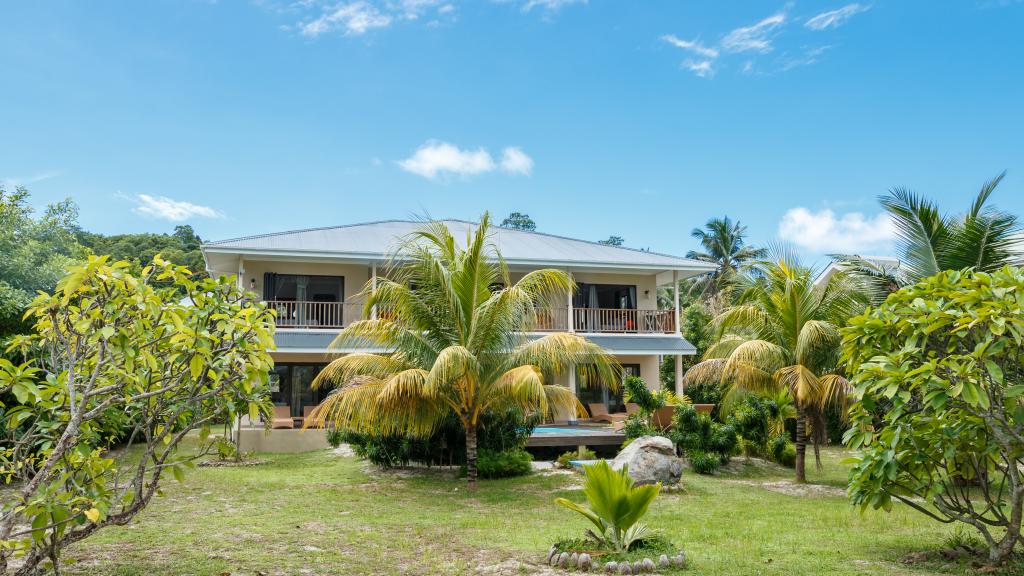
(928, 242)
(723, 242)
(454, 323)
(783, 335)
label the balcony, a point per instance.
(336, 315)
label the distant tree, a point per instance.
(928, 242)
(519, 221)
(34, 252)
(181, 248)
(612, 241)
(724, 245)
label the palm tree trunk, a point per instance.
(801, 445)
(471, 456)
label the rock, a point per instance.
(624, 568)
(663, 561)
(584, 562)
(574, 560)
(651, 459)
(552, 553)
(647, 565)
(637, 567)
(679, 560)
(563, 559)
(611, 568)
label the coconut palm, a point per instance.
(453, 323)
(783, 335)
(928, 242)
(723, 243)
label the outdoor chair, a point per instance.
(282, 417)
(599, 413)
(306, 411)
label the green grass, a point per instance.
(320, 514)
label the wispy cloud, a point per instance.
(825, 231)
(170, 209)
(806, 57)
(756, 38)
(702, 68)
(15, 181)
(549, 5)
(436, 160)
(835, 18)
(352, 19)
(692, 45)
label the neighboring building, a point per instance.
(313, 279)
(889, 264)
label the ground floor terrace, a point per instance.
(319, 514)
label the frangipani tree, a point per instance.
(783, 336)
(454, 325)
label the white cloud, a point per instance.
(15, 181)
(515, 161)
(354, 19)
(549, 5)
(413, 9)
(824, 231)
(806, 58)
(835, 18)
(436, 159)
(169, 209)
(702, 68)
(692, 45)
(756, 38)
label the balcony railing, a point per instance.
(299, 314)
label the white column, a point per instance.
(572, 387)
(675, 298)
(373, 287)
(240, 279)
(571, 325)
(679, 373)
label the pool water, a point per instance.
(562, 431)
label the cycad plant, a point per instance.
(615, 507)
(453, 323)
(928, 241)
(783, 335)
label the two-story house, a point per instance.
(313, 278)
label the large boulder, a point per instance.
(651, 459)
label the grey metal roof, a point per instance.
(375, 240)
(314, 341)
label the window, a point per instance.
(290, 386)
(596, 394)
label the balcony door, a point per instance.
(596, 392)
(605, 307)
(306, 300)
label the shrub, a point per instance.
(335, 437)
(698, 433)
(636, 425)
(937, 370)
(703, 463)
(751, 418)
(782, 451)
(503, 464)
(566, 457)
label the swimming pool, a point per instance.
(564, 431)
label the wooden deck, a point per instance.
(578, 435)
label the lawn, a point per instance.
(320, 514)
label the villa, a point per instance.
(313, 279)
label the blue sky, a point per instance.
(640, 119)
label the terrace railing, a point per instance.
(305, 314)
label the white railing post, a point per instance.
(675, 298)
(571, 326)
(373, 289)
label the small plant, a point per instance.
(225, 448)
(637, 425)
(335, 437)
(703, 463)
(567, 457)
(503, 464)
(616, 505)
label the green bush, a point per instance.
(503, 464)
(636, 425)
(335, 437)
(703, 463)
(566, 457)
(695, 433)
(782, 451)
(751, 418)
